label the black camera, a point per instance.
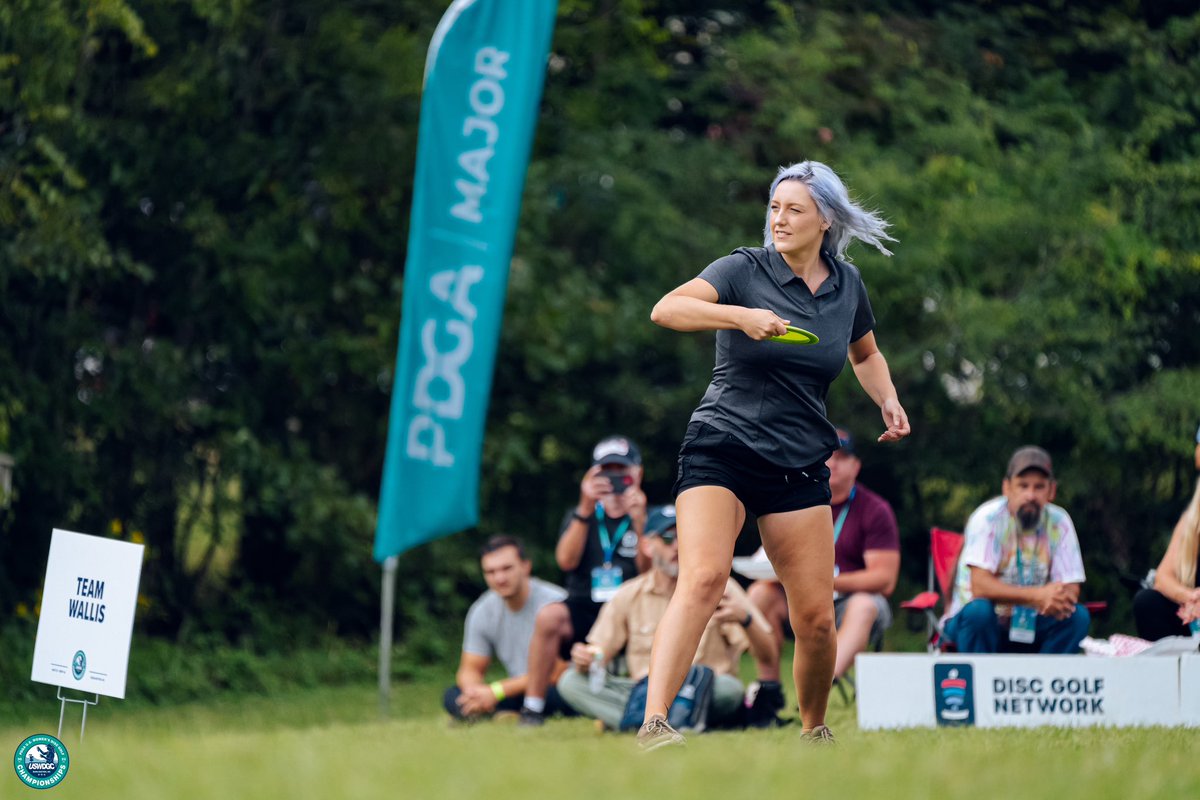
(620, 480)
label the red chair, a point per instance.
(944, 549)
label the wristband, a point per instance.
(749, 618)
(497, 689)
(581, 517)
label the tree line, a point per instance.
(205, 211)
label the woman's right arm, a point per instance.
(694, 307)
(1166, 577)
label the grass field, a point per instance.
(334, 743)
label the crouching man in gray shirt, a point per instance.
(500, 625)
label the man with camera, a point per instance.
(598, 551)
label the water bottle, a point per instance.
(596, 673)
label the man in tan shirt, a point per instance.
(628, 621)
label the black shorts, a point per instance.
(712, 457)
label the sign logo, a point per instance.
(954, 694)
(79, 665)
(41, 761)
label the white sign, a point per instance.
(87, 613)
(1189, 689)
(992, 691)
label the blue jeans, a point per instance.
(977, 629)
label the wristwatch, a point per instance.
(580, 517)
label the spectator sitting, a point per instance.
(866, 566)
(500, 623)
(598, 550)
(629, 620)
(1172, 607)
(1017, 585)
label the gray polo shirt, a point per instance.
(768, 394)
(495, 630)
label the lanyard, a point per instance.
(841, 520)
(1020, 570)
(609, 544)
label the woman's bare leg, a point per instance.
(709, 519)
(800, 545)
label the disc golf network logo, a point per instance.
(41, 761)
(954, 694)
(79, 664)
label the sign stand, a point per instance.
(86, 622)
(63, 709)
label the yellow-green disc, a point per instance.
(796, 335)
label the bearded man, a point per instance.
(1018, 578)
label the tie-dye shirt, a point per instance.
(991, 543)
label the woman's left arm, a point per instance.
(871, 369)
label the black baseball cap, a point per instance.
(616, 450)
(1030, 457)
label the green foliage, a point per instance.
(165, 675)
(205, 209)
(207, 669)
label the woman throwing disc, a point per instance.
(760, 438)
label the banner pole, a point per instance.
(386, 607)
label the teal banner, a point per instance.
(483, 84)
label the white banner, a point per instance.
(86, 622)
(1189, 689)
(992, 691)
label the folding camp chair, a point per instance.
(944, 549)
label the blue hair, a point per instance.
(847, 220)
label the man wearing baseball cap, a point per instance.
(1017, 585)
(597, 551)
(628, 621)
